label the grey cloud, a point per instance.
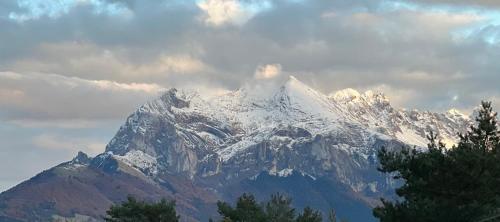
(333, 44)
(482, 3)
(51, 96)
(151, 25)
(349, 50)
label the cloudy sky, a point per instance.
(72, 70)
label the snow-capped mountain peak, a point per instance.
(353, 96)
(216, 130)
(303, 100)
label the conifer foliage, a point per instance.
(310, 215)
(133, 210)
(247, 209)
(277, 209)
(457, 184)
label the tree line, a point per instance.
(439, 184)
(247, 209)
(460, 184)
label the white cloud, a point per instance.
(111, 85)
(482, 3)
(268, 71)
(220, 12)
(40, 96)
(73, 82)
(447, 20)
(176, 64)
(90, 61)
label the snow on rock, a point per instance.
(374, 111)
(228, 125)
(286, 173)
(346, 95)
(456, 114)
(140, 161)
(410, 137)
(282, 173)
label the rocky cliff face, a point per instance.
(321, 149)
(239, 134)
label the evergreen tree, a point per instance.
(484, 136)
(309, 215)
(247, 210)
(458, 184)
(133, 210)
(332, 216)
(279, 209)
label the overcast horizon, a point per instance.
(71, 71)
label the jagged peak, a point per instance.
(276, 89)
(376, 97)
(371, 93)
(169, 93)
(169, 98)
(300, 92)
(352, 95)
(294, 85)
(293, 80)
(81, 158)
(347, 94)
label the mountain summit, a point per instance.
(320, 149)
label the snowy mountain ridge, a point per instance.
(298, 105)
(280, 127)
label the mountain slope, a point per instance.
(321, 149)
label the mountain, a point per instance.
(197, 149)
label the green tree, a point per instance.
(279, 209)
(332, 216)
(309, 215)
(457, 184)
(247, 210)
(133, 210)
